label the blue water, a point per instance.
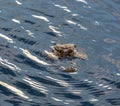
(27, 27)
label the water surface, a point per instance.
(28, 27)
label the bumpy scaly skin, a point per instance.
(80, 55)
(62, 51)
(70, 69)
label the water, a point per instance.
(29, 27)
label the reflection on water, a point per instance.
(28, 27)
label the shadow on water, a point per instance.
(86, 104)
(117, 84)
(45, 81)
(30, 22)
(27, 61)
(51, 33)
(43, 13)
(7, 71)
(115, 101)
(5, 91)
(24, 40)
(14, 102)
(91, 88)
(31, 91)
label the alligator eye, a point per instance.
(60, 51)
(70, 51)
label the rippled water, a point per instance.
(27, 27)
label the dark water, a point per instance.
(28, 27)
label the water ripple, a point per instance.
(28, 28)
